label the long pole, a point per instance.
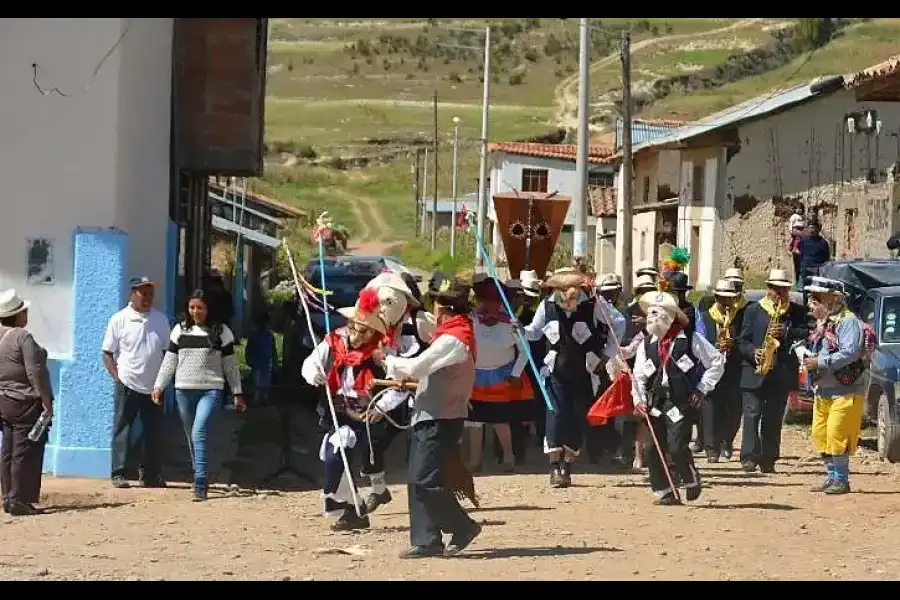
(454, 190)
(579, 246)
(627, 166)
(434, 201)
(416, 197)
(424, 191)
(482, 175)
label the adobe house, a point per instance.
(111, 130)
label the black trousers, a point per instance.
(566, 426)
(627, 428)
(674, 439)
(763, 415)
(21, 460)
(433, 507)
(129, 404)
(721, 417)
(383, 435)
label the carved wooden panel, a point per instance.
(547, 218)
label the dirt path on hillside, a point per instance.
(605, 527)
(375, 231)
(566, 92)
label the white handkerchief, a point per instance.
(674, 414)
(655, 412)
(551, 330)
(581, 332)
(591, 361)
(685, 363)
(649, 368)
(550, 360)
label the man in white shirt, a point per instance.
(133, 348)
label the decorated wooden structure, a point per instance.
(529, 225)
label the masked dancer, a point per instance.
(673, 372)
(445, 374)
(769, 370)
(835, 367)
(577, 331)
(347, 357)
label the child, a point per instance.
(262, 357)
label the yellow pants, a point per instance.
(837, 422)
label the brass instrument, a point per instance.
(766, 355)
(723, 339)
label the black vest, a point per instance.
(680, 383)
(412, 330)
(570, 355)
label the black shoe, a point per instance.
(556, 476)
(201, 491)
(120, 482)
(373, 501)
(668, 500)
(749, 466)
(153, 482)
(21, 509)
(838, 487)
(461, 541)
(727, 454)
(821, 487)
(6, 506)
(565, 472)
(712, 456)
(767, 468)
(423, 552)
(693, 492)
(350, 521)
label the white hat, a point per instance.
(610, 282)
(779, 278)
(665, 301)
(644, 282)
(725, 289)
(11, 304)
(734, 274)
(530, 283)
(823, 285)
(392, 280)
(646, 268)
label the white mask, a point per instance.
(658, 321)
(393, 305)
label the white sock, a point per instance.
(378, 483)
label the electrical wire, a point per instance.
(55, 90)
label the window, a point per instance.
(534, 180)
(890, 315)
(646, 190)
(699, 183)
(600, 180)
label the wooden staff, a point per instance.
(405, 385)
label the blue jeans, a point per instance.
(262, 380)
(195, 408)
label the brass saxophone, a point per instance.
(771, 343)
(723, 340)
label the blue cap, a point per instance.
(137, 282)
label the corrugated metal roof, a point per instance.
(750, 109)
(645, 130)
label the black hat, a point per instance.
(451, 292)
(678, 282)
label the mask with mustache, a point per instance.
(359, 335)
(568, 299)
(658, 322)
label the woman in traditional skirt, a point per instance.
(502, 394)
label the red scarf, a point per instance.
(342, 357)
(492, 316)
(460, 327)
(665, 344)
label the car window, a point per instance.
(867, 310)
(346, 287)
(890, 320)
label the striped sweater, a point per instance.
(197, 363)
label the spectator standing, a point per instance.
(814, 251)
(262, 357)
(133, 348)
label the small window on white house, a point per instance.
(600, 180)
(698, 184)
(534, 180)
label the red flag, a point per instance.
(615, 401)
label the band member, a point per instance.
(769, 370)
(736, 276)
(610, 287)
(835, 366)
(668, 385)
(679, 287)
(501, 395)
(347, 357)
(721, 416)
(647, 268)
(606, 438)
(445, 374)
(577, 332)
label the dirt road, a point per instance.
(742, 527)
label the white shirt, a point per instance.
(713, 361)
(138, 342)
(497, 347)
(443, 352)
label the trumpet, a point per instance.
(765, 361)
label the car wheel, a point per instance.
(888, 431)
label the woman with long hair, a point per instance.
(201, 359)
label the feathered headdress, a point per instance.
(675, 263)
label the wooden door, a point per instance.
(695, 251)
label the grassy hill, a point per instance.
(349, 101)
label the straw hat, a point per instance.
(725, 289)
(564, 279)
(665, 301)
(11, 304)
(644, 283)
(734, 274)
(365, 312)
(779, 278)
(531, 284)
(610, 282)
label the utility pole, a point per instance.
(424, 190)
(434, 203)
(579, 248)
(416, 197)
(454, 190)
(627, 167)
(483, 176)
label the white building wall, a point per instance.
(96, 157)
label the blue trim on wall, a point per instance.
(80, 442)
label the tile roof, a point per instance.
(882, 70)
(603, 201)
(596, 154)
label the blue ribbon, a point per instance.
(522, 341)
(322, 280)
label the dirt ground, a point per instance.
(743, 527)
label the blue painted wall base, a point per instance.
(81, 436)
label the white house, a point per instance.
(724, 186)
(87, 161)
(531, 167)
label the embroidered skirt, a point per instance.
(496, 400)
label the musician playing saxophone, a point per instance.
(769, 370)
(721, 416)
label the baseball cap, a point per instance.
(137, 282)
